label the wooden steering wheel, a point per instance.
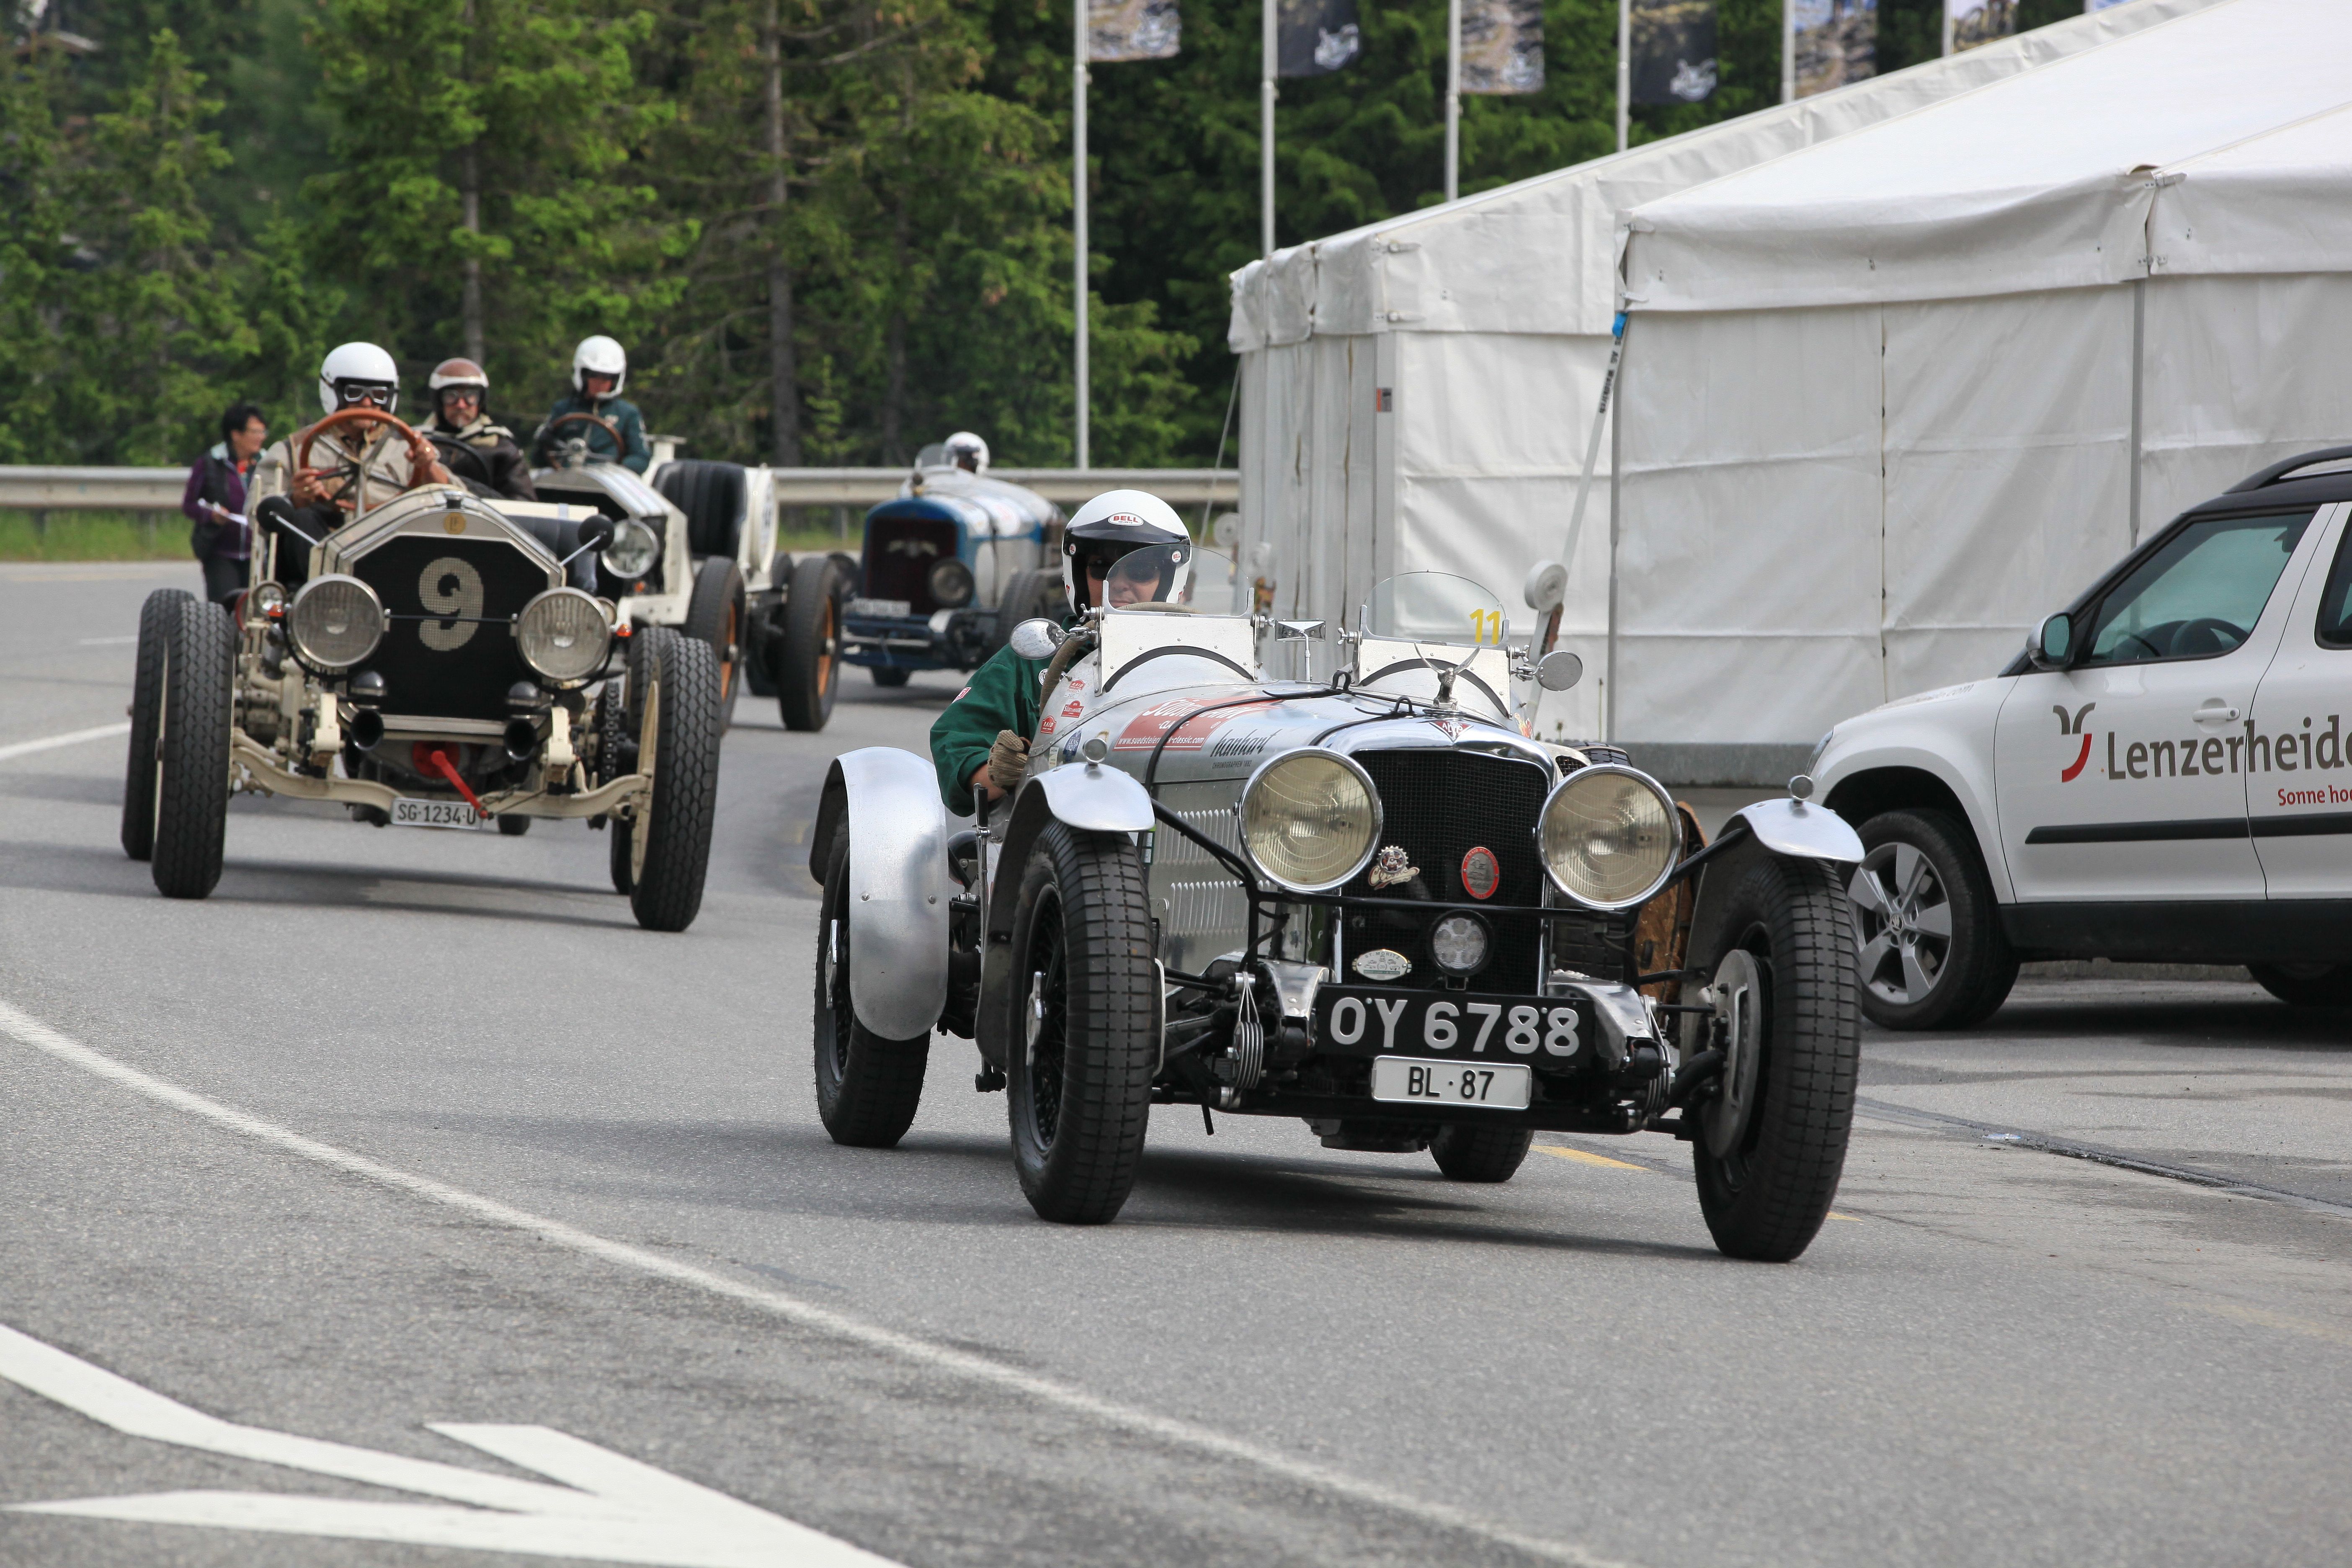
(351, 474)
(620, 448)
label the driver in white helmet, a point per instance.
(600, 369)
(461, 392)
(966, 451)
(1124, 547)
(351, 467)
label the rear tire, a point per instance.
(1480, 1153)
(1932, 953)
(678, 743)
(192, 751)
(714, 613)
(808, 666)
(889, 677)
(2305, 984)
(156, 618)
(867, 1088)
(1079, 1094)
(1767, 1193)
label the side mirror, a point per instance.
(2052, 645)
(1559, 670)
(596, 534)
(1036, 638)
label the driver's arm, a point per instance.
(637, 453)
(1002, 695)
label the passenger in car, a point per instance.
(460, 391)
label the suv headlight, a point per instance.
(1609, 836)
(563, 633)
(1310, 819)
(634, 550)
(335, 622)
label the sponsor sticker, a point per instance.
(1143, 730)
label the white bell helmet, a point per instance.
(1126, 534)
(966, 450)
(601, 356)
(354, 365)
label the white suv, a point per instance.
(2162, 775)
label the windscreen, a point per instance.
(1436, 607)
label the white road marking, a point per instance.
(613, 1510)
(794, 1309)
(70, 738)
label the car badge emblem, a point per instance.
(455, 522)
(1382, 964)
(1481, 873)
(1392, 867)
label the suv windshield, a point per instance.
(1436, 606)
(2201, 595)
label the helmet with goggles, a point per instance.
(1134, 542)
(356, 373)
(461, 374)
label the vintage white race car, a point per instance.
(1369, 902)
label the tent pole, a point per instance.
(1078, 19)
(1624, 65)
(1268, 60)
(1787, 51)
(1452, 99)
(2139, 340)
(1948, 29)
(1616, 467)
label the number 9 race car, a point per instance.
(440, 660)
(1372, 903)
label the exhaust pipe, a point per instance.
(366, 730)
(522, 739)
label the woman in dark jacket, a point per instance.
(214, 502)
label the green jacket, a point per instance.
(634, 453)
(1002, 695)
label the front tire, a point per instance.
(156, 618)
(1085, 1031)
(867, 1088)
(714, 613)
(191, 796)
(1766, 1176)
(1480, 1153)
(2305, 984)
(808, 663)
(677, 744)
(1932, 955)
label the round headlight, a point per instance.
(335, 622)
(563, 633)
(950, 583)
(1310, 820)
(1610, 837)
(633, 550)
(1459, 944)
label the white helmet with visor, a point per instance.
(1134, 542)
(599, 355)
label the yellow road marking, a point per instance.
(1584, 1157)
(2333, 1333)
(1847, 1217)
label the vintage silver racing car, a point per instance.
(1369, 902)
(439, 659)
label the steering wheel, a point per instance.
(462, 458)
(599, 421)
(2212, 627)
(351, 473)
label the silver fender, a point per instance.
(897, 893)
(1095, 798)
(1789, 826)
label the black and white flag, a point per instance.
(1673, 52)
(1315, 38)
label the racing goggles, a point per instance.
(374, 394)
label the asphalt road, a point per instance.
(404, 1127)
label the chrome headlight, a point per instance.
(335, 622)
(1310, 820)
(563, 633)
(951, 585)
(634, 550)
(1610, 837)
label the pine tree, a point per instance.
(36, 260)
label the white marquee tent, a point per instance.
(1419, 393)
(1889, 400)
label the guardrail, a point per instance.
(158, 490)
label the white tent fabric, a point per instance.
(1418, 394)
(1889, 400)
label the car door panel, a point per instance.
(2300, 798)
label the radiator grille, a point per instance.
(454, 669)
(899, 554)
(1438, 805)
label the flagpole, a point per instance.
(1624, 66)
(1452, 99)
(1268, 60)
(1787, 51)
(1078, 9)
(1947, 28)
